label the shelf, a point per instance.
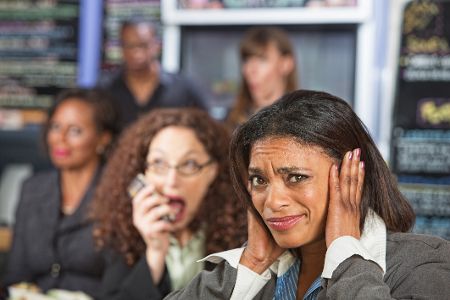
(171, 15)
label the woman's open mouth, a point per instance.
(177, 205)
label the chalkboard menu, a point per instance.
(115, 12)
(421, 131)
(38, 51)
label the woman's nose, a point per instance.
(277, 198)
(172, 177)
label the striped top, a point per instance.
(286, 286)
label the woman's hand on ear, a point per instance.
(346, 187)
(261, 250)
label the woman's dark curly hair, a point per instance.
(220, 210)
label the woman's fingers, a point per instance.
(345, 176)
(261, 250)
(334, 185)
(354, 179)
(349, 179)
(345, 197)
(154, 228)
(151, 226)
(147, 199)
(361, 175)
(149, 208)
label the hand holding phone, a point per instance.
(139, 183)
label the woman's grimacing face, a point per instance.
(72, 137)
(288, 184)
(177, 145)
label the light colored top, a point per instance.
(182, 261)
(371, 246)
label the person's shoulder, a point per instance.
(109, 78)
(416, 239)
(420, 246)
(42, 177)
(38, 185)
(40, 181)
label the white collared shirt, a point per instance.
(371, 246)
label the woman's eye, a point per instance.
(257, 181)
(189, 166)
(294, 178)
(74, 131)
(157, 162)
(190, 163)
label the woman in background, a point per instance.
(268, 71)
(52, 242)
(187, 210)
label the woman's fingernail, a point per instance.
(349, 155)
(357, 152)
(361, 165)
(336, 169)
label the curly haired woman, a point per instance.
(186, 211)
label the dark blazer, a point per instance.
(417, 267)
(123, 282)
(49, 248)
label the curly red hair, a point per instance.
(221, 211)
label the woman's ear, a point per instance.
(287, 64)
(104, 140)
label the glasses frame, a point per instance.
(167, 167)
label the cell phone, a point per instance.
(139, 183)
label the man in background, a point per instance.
(141, 85)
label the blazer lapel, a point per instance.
(47, 211)
(79, 217)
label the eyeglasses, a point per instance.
(187, 168)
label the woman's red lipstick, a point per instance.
(284, 223)
(60, 152)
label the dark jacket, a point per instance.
(417, 267)
(50, 249)
(123, 282)
(173, 90)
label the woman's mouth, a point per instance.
(60, 152)
(284, 223)
(177, 205)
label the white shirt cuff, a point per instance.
(341, 249)
(249, 283)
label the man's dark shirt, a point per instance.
(173, 90)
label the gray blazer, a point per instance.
(417, 267)
(50, 249)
